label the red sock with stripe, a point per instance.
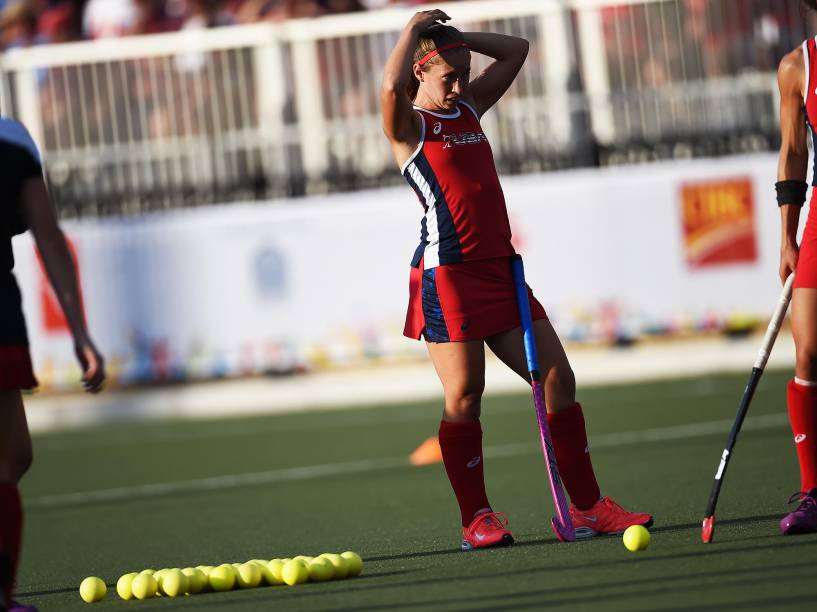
(802, 400)
(573, 456)
(11, 527)
(461, 445)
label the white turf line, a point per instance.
(659, 434)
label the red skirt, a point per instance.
(472, 300)
(15, 368)
(805, 276)
(15, 361)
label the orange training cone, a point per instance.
(427, 453)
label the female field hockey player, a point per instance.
(797, 79)
(461, 289)
(25, 205)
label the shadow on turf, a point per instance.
(544, 597)
(543, 541)
(735, 521)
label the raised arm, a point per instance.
(41, 218)
(793, 160)
(509, 52)
(400, 122)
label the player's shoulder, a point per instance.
(14, 133)
(792, 63)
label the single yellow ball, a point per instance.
(222, 578)
(272, 572)
(294, 572)
(174, 583)
(249, 575)
(92, 589)
(339, 563)
(144, 586)
(196, 580)
(123, 585)
(354, 561)
(636, 538)
(320, 569)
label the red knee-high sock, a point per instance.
(11, 528)
(573, 456)
(461, 445)
(803, 418)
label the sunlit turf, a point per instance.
(404, 520)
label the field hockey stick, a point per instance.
(561, 524)
(708, 528)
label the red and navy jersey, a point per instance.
(452, 172)
(20, 160)
(810, 95)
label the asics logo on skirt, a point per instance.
(474, 462)
(799, 438)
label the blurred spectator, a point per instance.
(108, 18)
(199, 14)
(18, 24)
(61, 22)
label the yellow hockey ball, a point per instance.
(144, 586)
(354, 561)
(92, 589)
(294, 572)
(636, 538)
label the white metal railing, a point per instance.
(259, 110)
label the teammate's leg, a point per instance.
(802, 404)
(15, 459)
(591, 513)
(461, 368)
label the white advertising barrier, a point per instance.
(248, 288)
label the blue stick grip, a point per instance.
(518, 270)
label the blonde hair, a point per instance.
(433, 38)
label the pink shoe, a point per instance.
(605, 517)
(485, 531)
(804, 519)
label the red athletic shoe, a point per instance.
(485, 531)
(605, 517)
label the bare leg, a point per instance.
(461, 368)
(557, 375)
(15, 440)
(804, 330)
(15, 459)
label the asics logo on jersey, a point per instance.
(799, 438)
(474, 462)
(465, 138)
(438, 127)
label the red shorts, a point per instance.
(472, 300)
(15, 368)
(805, 277)
(15, 361)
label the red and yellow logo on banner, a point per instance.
(719, 222)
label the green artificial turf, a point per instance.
(404, 520)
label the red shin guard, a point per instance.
(461, 445)
(802, 402)
(573, 456)
(11, 528)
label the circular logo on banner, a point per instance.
(269, 268)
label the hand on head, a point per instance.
(426, 19)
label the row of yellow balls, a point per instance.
(257, 572)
